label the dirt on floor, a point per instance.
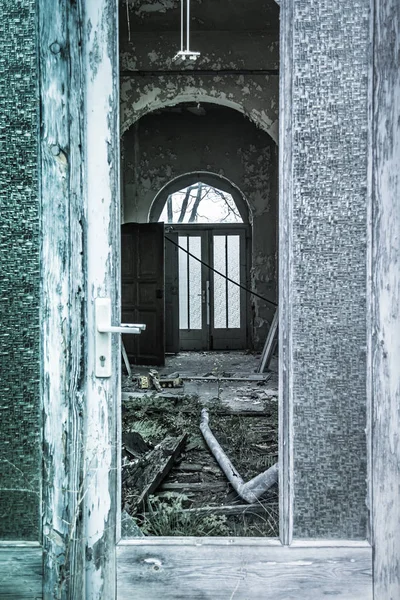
(191, 494)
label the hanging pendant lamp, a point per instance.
(185, 53)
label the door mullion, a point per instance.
(205, 255)
(211, 286)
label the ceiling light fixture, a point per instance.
(185, 53)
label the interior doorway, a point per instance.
(208, 228)
(208, 176)
(172, 484)
(212, 306)
(192, 289)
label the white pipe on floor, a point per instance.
(253, 489)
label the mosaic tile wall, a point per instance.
(19, 274)
(329, 269)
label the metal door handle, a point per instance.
(123, 328)
(104, 329)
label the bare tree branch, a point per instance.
(193, 214)
(229, 204)
(187, 209)
(169, 209)
(185, 203)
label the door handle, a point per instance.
(104, 329)
(123, 328)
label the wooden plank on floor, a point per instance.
(21, 573)
(242, 572)
(143, 477)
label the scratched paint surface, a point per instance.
(19, 274)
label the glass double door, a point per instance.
(212, 308)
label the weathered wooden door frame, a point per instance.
(141, 562)
(80, 209)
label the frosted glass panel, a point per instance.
(219, 282)
(195, 303)
(233, 273)
(183, 284)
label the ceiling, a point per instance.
(206, 15)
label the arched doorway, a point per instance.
(176, 147)
(207, 237)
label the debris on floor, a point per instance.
(254, 489)
(183, 490)
(153, 380)
(142, 475)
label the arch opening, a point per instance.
(171, 149)
(133, 109)
(199, 197)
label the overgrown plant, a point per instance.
(166, 516)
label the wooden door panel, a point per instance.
(147, 293)
(128, 294)
(142, 290)
(219, 570)
(171, 293)
(127, 265)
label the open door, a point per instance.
(142, 290)
(171, 293)
(80, 408)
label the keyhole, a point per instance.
(102, 360)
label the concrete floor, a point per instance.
(215, 369)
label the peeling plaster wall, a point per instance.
(255, 95)
(219, 50)
(164, 145)
(206, 15)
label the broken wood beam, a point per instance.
(194, 487)
(250, 379)
(253, 489)
(142, 477)
(126, 359)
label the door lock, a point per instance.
(104, 329)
